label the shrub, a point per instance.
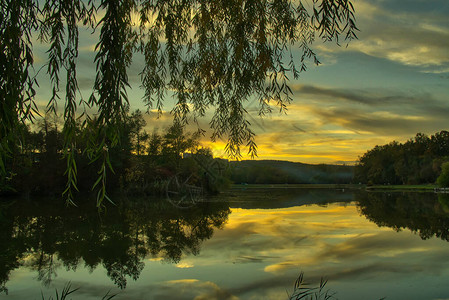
(443, 179)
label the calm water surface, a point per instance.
(250, 244)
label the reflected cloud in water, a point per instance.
(334, 241)
(238, 247)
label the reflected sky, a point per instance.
(259, 253)
(335, 241)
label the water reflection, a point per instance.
(426, 214)
(258, 253)
(269, 198)
(44, 237)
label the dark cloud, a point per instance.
(244, 240)
(380, 124)
(372, 253)
(252, 259)
(285, 125)
(365, 246)
(369, 97)
(372, 270)
(404, 34)
(380, 111)
(195, 289)
(255, 286)
(436, 7)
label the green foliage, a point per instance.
(303, 292)
(175, 156)
(417, 161)
(137, 164)
(37, 165)
(19, 21)
(443, 179)
(66, 291)
(212, 54)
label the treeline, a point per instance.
(141, 162)
(417, 161)
(281, 172)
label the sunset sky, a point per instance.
(388, 85)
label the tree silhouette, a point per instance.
(417, 161)
(211, 54)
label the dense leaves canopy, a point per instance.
(211, 54)
(417, 161)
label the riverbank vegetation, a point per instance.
(172, 162)
(417, 161)
(214, 56)
(166, 163)
(139, 163)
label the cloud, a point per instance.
(185, 265)
(376, 111)
(371, 97)
(265, 284)
(281, 267)
(414, 34)
(386, 124)
(366, 245)
(410, 39)
(365, 255)
(328, 124)
(194, 289)
(183, 281)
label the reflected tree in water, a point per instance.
(11, 248)
(426, 214)
(45, 239)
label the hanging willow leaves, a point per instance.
(221, 54)
(114, 55)
(18, 21)
(214, 56)
(59, 28)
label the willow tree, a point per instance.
(214, 56)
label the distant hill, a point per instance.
(277, 171)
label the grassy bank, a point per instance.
(297, 186)
(416, 188)
(405, 187)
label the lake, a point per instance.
(245, 244)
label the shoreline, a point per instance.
(373, 188)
